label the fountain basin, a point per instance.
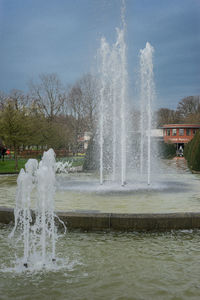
(171, 202)
(94, 221)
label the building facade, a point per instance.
(179, 134)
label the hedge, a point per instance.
(192, 152)
(167, 150)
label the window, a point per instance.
(193, 131)
(173, 131)
(188, 131)
(168, 132)
(181, 131)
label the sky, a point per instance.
(63, 36)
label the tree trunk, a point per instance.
(16, 158)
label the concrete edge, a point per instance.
(9, 173)
(88, 221)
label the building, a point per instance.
(84, 141)
(179, 134)
(157, 134)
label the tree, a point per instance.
(89, 87)
(166, 150)
(3, 98)
(192, 152)
(189, 108)
(77, 115)
(82, 105)
(19, 99)
(64, 124)
(48, 94)
(167, 116)
(13, 127)
(188, 111)
(38, 126)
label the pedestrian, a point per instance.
(3, 153)
(8, 152)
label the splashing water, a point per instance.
(64, 167)
(124, 147)
(147, 97)
(38, 230)
(112, 110)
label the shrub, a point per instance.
(192, 152)
(167, 150)
(92, 153)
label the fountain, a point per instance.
(38, 230)
(114, 117)
(130, 197)
(130, 181)
(113, 111)
(147, 93)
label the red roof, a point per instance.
(181, 126)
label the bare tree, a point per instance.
(82, 104)
(77, 114)
(167, 116)
(188, 111)
(189, 106)
(48, 94)
(19, 99)
(89, 87)
(3, 98)
(83, 100)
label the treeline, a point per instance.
(192, 152)
(53, 115)
(188, 111)
(49, 115)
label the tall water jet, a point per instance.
(147, 97)
(23, 217)
(104, 51)
(122, 52)
(112, 108)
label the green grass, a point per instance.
(8, 166)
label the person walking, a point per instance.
(3, 153)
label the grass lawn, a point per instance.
(8, 166)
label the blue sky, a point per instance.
(62, 36)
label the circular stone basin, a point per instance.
(173, 189)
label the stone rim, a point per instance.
(95, 221)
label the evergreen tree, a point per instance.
(13, 128)
(192, 152)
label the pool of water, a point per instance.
(173, 189)
(107, 266)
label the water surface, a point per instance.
(108, 266)
(173, 189)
